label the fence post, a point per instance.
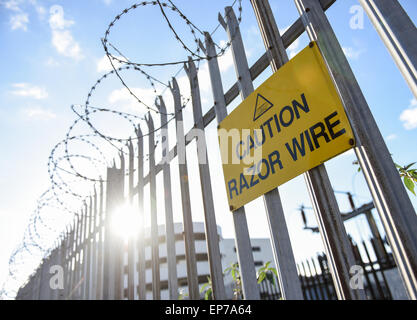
(78, 261)
(389, 195)
(118, 240)
(60, 261)
(63, 261)
(84, 246)
(100, 256)
(281, 246)
(71, 258)
(156, 281)
(379, 245)
(399, 35)
(212, 237)
(141, 237)
(94, 244)
(44, 289)
(75, 255)
(169, 219)
(93, 247)
(322, 195)
(78, 273)
(280, 240)
(108, 293)
(110, 248)
(88, 247)
(243, 245)
(131, 240)
(68, 259)
(192, 276)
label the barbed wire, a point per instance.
(58, 208)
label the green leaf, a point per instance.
(409, 184)
(398, 166)
(261, 277)
(203, 287)
(270, 278)
(409, 166)
(207, 296)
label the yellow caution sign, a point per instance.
(292, 123)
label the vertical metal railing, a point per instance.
(92, 256)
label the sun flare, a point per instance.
(125, 221)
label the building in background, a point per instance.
(261, 249)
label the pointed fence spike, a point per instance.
(221, 20)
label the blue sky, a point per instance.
(52, 54)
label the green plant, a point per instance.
(182, 294)
(207, 289)
(267, 273)
(235, 273)
(409, 176)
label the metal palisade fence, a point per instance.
(97, 265)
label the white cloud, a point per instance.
(57, 20)
(107, 2)
(352, 53)
(62, 38)
(28, 90)
(122, 99)
(226, 60)
(391, 137)
(103, 64)
(65, 44)
(20, 18)
(12, 5)
(409, 116)
(39, 113)
(19, 21)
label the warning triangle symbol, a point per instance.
(262, 105)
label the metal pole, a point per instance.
(141, 237)
(389, 195)
(78, 274)
(156, 281)
(76, 278)
(379, 245)
(192, 275)
(243, 245)
(131, 241)
(100, 256)
(119, 241)
(95, 231)
(108, 266)
(69, 255)
(84, 254)
(71, 258)
(87, 251)
(212, 238)
(398, 33)
(169, 218)
(280, 240)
